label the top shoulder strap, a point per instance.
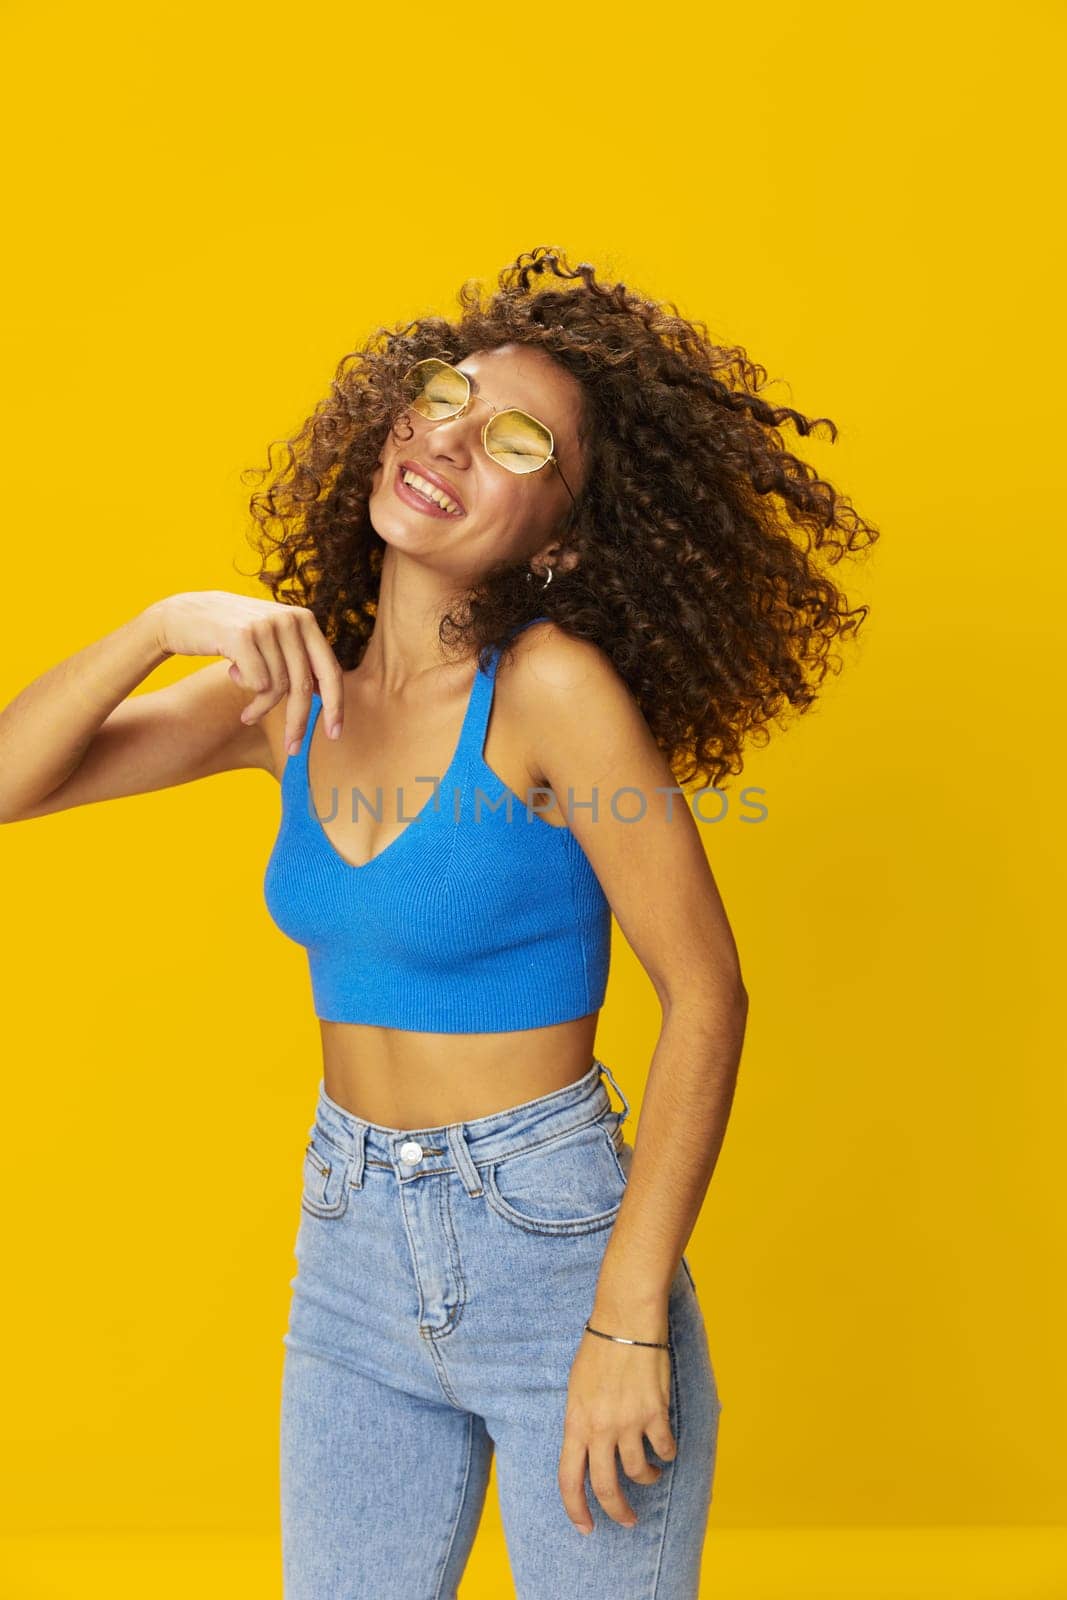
(294, 773)
(476, 721)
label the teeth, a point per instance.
(431, 493)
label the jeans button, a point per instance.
(411, 1151)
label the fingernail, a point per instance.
(294, 746)
(582, 1528)
(334, 730)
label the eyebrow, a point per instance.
(473, 381)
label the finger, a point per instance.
(271, 651)
(635, 1463)
(605, 1481)
(571, 1478)
(661, 1438)
(301, 678)
(247, 666)
(328, 674)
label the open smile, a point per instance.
(425, 495)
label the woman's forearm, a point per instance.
(46, 729)
(683, 1122)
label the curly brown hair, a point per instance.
(701, 539)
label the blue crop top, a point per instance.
(466, 922)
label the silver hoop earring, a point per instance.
(547, 581)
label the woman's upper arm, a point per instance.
(186, 730)
(589, 737)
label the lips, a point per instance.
(438, 482)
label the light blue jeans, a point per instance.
(444, 1278)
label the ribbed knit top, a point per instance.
(480, 917)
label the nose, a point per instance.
(454, 438)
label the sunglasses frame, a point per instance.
(550, 460)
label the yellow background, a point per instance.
(207, 207)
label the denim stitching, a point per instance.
(413, 1253)
(323, 1168)
(614, 1148)
(315, 1207)
(442, 1375)
(526, 1150)
(571, 1227)
(545, 1226)
(323, 1134)
(456, 1312)
(554, 1138)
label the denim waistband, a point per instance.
(464, 1146)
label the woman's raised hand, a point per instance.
(275, 650)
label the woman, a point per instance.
(538, 570)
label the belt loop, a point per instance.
(626, 1104)
(457, 1143)
(359, 1150)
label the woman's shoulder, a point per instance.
(546, 654)
(555, 677)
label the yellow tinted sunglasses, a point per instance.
(512, 438)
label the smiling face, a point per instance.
(501, 515)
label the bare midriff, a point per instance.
(407, 1080)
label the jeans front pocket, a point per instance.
(324, 1190)
(573, 1183)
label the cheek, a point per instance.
(511, 522)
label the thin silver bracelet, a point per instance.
(650, 1343)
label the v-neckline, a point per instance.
(461, 745)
